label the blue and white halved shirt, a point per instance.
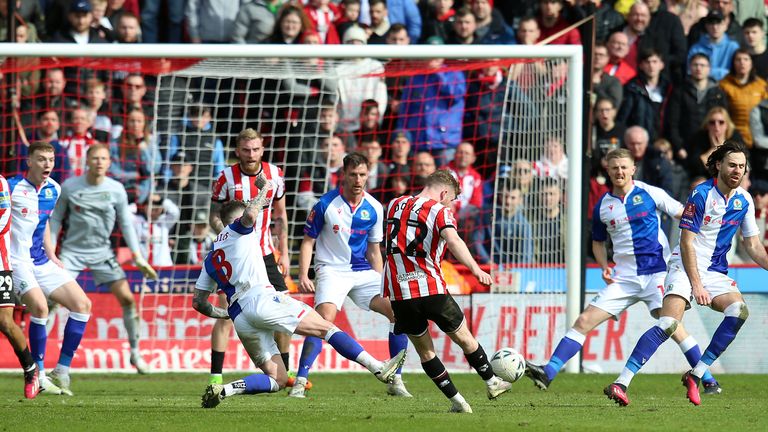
(31, 207)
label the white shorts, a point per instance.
(264, 314)
(716, 284)
(628, 290)
(333, 285)
(104, 271)
(47, 276)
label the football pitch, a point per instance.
(356, 402)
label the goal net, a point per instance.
(504, 126)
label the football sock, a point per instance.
(252, 384)
(131, 323)
(692, 353)
(735, 316)
(568, 347)
(25, 358)
(217, 362)
(646, 346)
(286, 360)
(350, 349)
(479, 361)
(397, 343)
(435, 370)
(73, 334)
(309, 352)
(37, 340)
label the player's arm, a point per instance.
(201, 304)
(50, 247)
(57, 217)
(688, 254)
(601, 256)
(305, 259)
(213, 217)
(280, 219)
(459, 250)
(373, 255)
(128, 228)
(756, 251)
(253, 209)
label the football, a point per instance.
(508, 364)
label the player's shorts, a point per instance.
(261, 316)
(105, 270)
(273, 272)
(628, 290)
(333, 285)
(716, 284)
(6, 289)
(47, 276)
(411, 315)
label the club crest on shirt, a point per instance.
(48, 194)
(365, 215)
(737, 205)
(637, 200)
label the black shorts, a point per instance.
(275, 277)
(6, 289)
(411, 315)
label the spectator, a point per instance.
(483, 110)
(646, 95)
(399, 162)
(718, 47)
(322, 14)
(469, 202)
(405, 12)
(689, 12)
(172, 25)
(80, 31)
(733, 29)
(350, 15)
(549, 230)
(115, 10)
(200, 145)
(290, 26)
(522, 178)
(607, 135)
(75, 144)
(665, 34)
(744, 90)
(325, 170)
(128, 29)
(209, 21)
(201, 243)
(759, 191)
(604, 85)
(398, 35)
(377, 171)
(618, 49)
(650, 167)
(690, 103)
(51, 96)
(607, 20)
(528, 32)
(154, 224)
(254, 23)
(135, 157)
(438, 20)
(380, 25)
(370, 116)
(551, 21)
(514, 11)
(395, 186)
(491, 28)
(758, 125)
(101, 22)
(754, 41)
(432, 109)
(134, 90)
(714, 130)
(553, 162)
(423, 166)
(98, 110)
(47, 130)
(464, 27)
(678, 174)
(28, 13)
(512, 236)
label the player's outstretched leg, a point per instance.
(252, 384)
(309, 352)
(397, 342)
(219, 341)
(436, 371)
(568, 347)
(72, 297)
(38, 336)
(692, 353)
(477, 358)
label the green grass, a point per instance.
(356, 402)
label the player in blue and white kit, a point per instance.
(38, 274)
(347, 224)
(698, 269)
(258, 310)
(631, 215)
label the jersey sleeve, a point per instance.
(376, 234)
(279, 185)
(664, 202)
(749, 224)
(694, 211)
(219, 192)
(599, 229)
(126, 220)
(315, 220)
(205, 282)
(445, 219)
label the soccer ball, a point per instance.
(508, 364)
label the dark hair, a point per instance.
(350, 2)
(728, 147)
(464, 11)
(605, 99)
(41, 146)
(229, 208)
(701, 56)
(752, 22)
(396, 28)
(752, 71)
(647, 53)
(354, 160)
(443, 177)
(374, 2)
(367, 105)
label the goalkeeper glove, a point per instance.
(144, 267)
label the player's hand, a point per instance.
(482, 277)
(284, 263)
(261, 182)
(54, 259)
(608, 275)
(701, 295)
(144, 267)
(306, 285)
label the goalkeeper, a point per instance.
(90, 203)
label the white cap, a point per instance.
(355, 33)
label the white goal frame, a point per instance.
(574, 54)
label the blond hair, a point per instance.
(444, 177)
(248, 135)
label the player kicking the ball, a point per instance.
(258, 310)
(698, 269)
(630, 215)
(418, 230)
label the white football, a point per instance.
(508, 364)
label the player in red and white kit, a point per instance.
(7, 326)
(238, 182)
(418, 231)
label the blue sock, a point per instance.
(37, 340)
(397, 343)
(724, 335)
(259, 383)
(568, 347)
(309, 352)
(646, 346)
(345, 345)
(693, 356)
(73, 334)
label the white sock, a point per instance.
(491, 381)
(61, 369)
(700, 369)
(231, 390)
(369, 362)
(458, 398)
(687, 343)
(131, 323)
(625, 377)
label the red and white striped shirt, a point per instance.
(415, 248)
(471, 187)
(233, 184)
(5, 224)
(76, 147)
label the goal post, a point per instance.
(249, 70)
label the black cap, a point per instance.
(181, 157)
(80, 6)
(714, 16)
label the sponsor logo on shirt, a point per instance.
(690, 209)
(405, 277)
(707, 219)
(24, 211)
(311, 216)
(5, 200)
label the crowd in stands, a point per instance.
(671, 80)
